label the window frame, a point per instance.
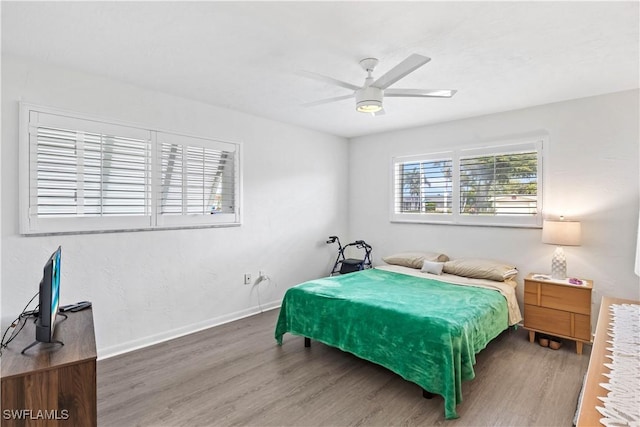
(413, 216)
(32, 224)
(455, 155)
(177, 220)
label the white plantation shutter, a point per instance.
(423, 185)
(210, 180)
(88, 174)
(117, 175)
(80, 174)
(172, 160)
(56, 166)
(493, 185)
(199, 180)
(85, 175)
(499, 184)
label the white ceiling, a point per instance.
(245, 55)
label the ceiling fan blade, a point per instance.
(327, 79)
(420, 93)
(412, 63)
(326, 101)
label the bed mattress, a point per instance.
(425, 330)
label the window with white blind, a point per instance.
(495, 185)
(197, 180)
(80, 174)
(423, 186)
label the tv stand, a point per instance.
(38, 342)
(50, 342)
(52, 386)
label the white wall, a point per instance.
(591, 175)
(147, 286)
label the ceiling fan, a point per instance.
(369, 96)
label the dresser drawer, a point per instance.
(548, 320)
(566, 298)
(582, 326)
(531, 292)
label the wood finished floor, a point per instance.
(236, 375)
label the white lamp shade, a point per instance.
(562, 233)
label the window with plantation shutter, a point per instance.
(198, 178)
(89, 174)
(499, 184)
(81, 174)
(494, 185)
(423, 185)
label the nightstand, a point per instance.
(558, 308)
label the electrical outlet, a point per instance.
(247, 278)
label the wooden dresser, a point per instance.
(558, 309)
(588, 415)
(52, 385)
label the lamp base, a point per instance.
(559, 264)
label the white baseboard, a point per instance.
(128, 346)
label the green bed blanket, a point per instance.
(424, 330)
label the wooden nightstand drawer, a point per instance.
(565, 298)
(531, 290)
(582, 327)
(546, 319)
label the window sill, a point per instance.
(132, 230)
(464, 224)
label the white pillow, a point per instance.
(432, 267)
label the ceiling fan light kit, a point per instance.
(369, 99)
(369, 96)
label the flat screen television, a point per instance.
(48, 300)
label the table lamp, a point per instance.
(560, 233)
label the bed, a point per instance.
(425, 328)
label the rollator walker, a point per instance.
(345, 265)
